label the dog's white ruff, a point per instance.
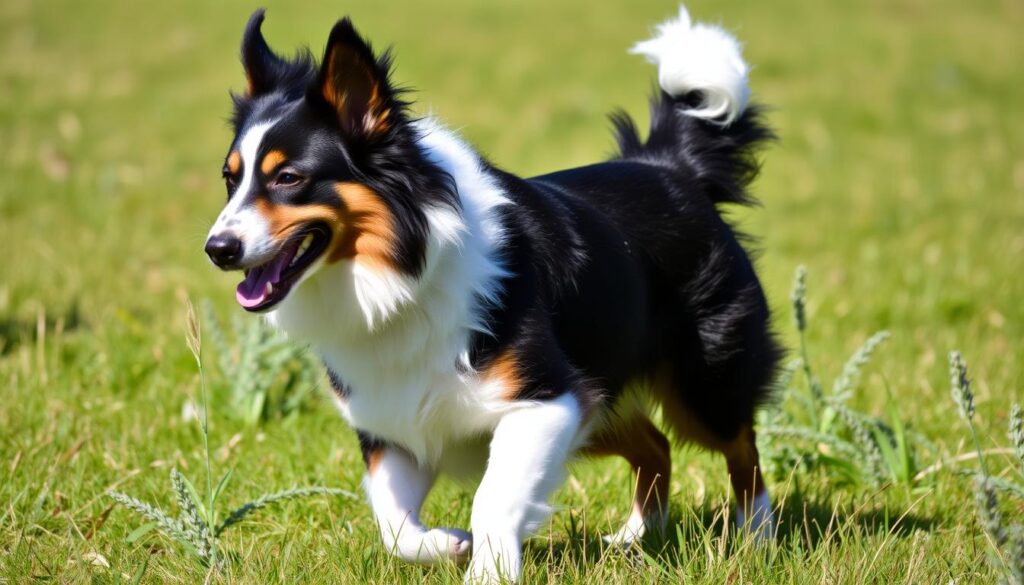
(401, 345)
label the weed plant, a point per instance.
(1005, 537)
(810, 428)
(263, 373)
(198, 528)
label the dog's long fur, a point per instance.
(472, 320)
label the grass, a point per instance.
(899, 181)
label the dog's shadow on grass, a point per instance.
(800, 523)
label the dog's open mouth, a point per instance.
(269, 283)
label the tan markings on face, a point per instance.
(283, 220)
(273, 160)
(367, 231)
(362, 226)
(504, 369)
(234, 162)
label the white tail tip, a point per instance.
(699, 57)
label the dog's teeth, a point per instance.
(270, 288)
(306, 243)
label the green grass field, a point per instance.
(898, 181)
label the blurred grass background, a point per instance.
(898, 180)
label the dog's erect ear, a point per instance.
(262, 67)
(355, 84)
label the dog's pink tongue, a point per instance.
(253, 290)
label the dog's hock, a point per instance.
(760, 522)
(699, 58)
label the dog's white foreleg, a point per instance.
(396, 486)
(528, 456)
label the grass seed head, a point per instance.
(799, 297)
(847, 380)
(193, 335)
(961, 386)
(1017, 434)
(988, 510)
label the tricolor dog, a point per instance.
(472, 320)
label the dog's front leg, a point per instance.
(396, 486)
(528, 455)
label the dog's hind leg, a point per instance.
(754, 507)
(648, 452)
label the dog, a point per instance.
(471, 320)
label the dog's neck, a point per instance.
(353, 314)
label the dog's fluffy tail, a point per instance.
(701, 122)
(696, 57)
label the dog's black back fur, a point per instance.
(639, 241)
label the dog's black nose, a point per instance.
(225, 251)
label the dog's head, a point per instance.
(324, 170)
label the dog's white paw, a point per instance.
(624, 538)
(434, 546)
(635, 528)
(486, 573)
(449, 543)
(495, 560)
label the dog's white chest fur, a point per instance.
(401, 345)
(407, 389)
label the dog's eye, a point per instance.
(287, 179)
(230, 181)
